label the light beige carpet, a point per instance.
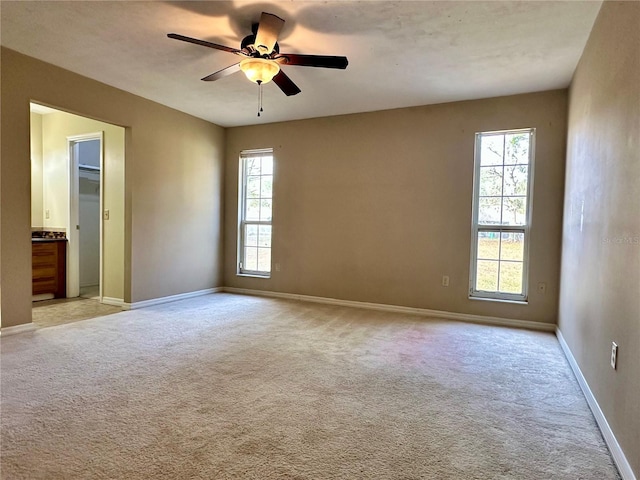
(235, 387)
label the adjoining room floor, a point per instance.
(92, 291)
(235, 387)
(49, 313)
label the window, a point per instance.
(502, 188)
(255, 206)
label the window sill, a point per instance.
(500, 300)
(252, 275)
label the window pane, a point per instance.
(265, 210)
(511, 277)
(265, 236)
(491, 149)
(512, 246)
(517, 148)
(252, 207)
(267, 165)
(491, 181)
(489, 211)
(487, 275)
(515, 180)
(514, 210)
(489, 245)
(266, 186)
(255, 211)
(264, 259)
(250, 258)
(253, 187)
(253, 166)
(251, 235)
(502, 160)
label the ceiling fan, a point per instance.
(262, 57)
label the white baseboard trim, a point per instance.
(170, 298)
(614, 447)
(462, 317)
(25, 327)
(116, 302)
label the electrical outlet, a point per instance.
(106, 214)
(47, 214)
(277, 267)
(445, 280)
(614, 355)
(542, 288)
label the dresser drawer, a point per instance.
(44, 260)
(44, 285)
(48, 271)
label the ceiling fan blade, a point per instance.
(268, 30)
(222, 73)
(324, 61)
(204, 43)
(286, 84)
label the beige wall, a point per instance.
(376, 207)
(37, 214)
(600, 289)
(173, 185)
(56, 127)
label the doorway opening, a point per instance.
(77, 202)
(84, 275)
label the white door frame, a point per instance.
(73, 234)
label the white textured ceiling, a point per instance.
(400, 54)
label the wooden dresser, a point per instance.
(49, 264)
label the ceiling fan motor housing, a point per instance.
(248, 43)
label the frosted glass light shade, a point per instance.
(259, 70)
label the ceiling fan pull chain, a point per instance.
(259, 97)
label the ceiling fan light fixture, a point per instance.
(259, 70)
(262, 58)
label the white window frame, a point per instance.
(525, 229)
(242, 195)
